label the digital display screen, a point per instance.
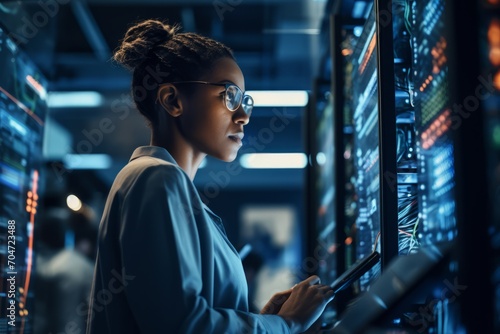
(366, 151)
(22, 114)
(324, 184)
(406, 137)
(433, 122)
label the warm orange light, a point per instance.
(495, 55)
(438, 127)
(494, 2)
(30, 194)
(348, 241)
(368, 54)
(494, 33)
(346, 52)
(496, 80)
(437, 53)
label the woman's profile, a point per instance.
(164, 263)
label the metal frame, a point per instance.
(387, 135)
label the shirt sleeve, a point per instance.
(161, 249)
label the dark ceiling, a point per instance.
(277, 43)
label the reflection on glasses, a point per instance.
(233, 95)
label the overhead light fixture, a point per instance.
(73, 202)
(279, 98)
(82, 99)
(87, 161)
(273, 160)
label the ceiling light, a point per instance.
(274, 160)
(83, 99)
(87, 161)
(279, 98)
(73, 202)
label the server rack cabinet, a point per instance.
(454, 97)
(23, 106)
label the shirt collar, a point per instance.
(153, 151)
(161, 153)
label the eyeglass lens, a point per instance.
(247, 104)
(234, 97)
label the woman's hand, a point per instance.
(274, 304)
(304, 304)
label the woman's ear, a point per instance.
(168, 97)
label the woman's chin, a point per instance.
(230, 158)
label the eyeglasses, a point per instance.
(233, 95)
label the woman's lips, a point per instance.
(237, 137)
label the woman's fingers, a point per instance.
(274, 304)
(312, 280)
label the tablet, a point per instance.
(355, 272)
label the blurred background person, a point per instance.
(63, 272)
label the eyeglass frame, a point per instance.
(226, 86)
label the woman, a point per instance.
(164, 263)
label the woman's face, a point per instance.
(205, 122)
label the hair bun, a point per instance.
(140, 40)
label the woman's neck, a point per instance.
(182, 151)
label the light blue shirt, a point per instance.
(164, 263)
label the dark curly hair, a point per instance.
(157, 53)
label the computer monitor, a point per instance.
(22, 115)
(325, 242)
(366, 150)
